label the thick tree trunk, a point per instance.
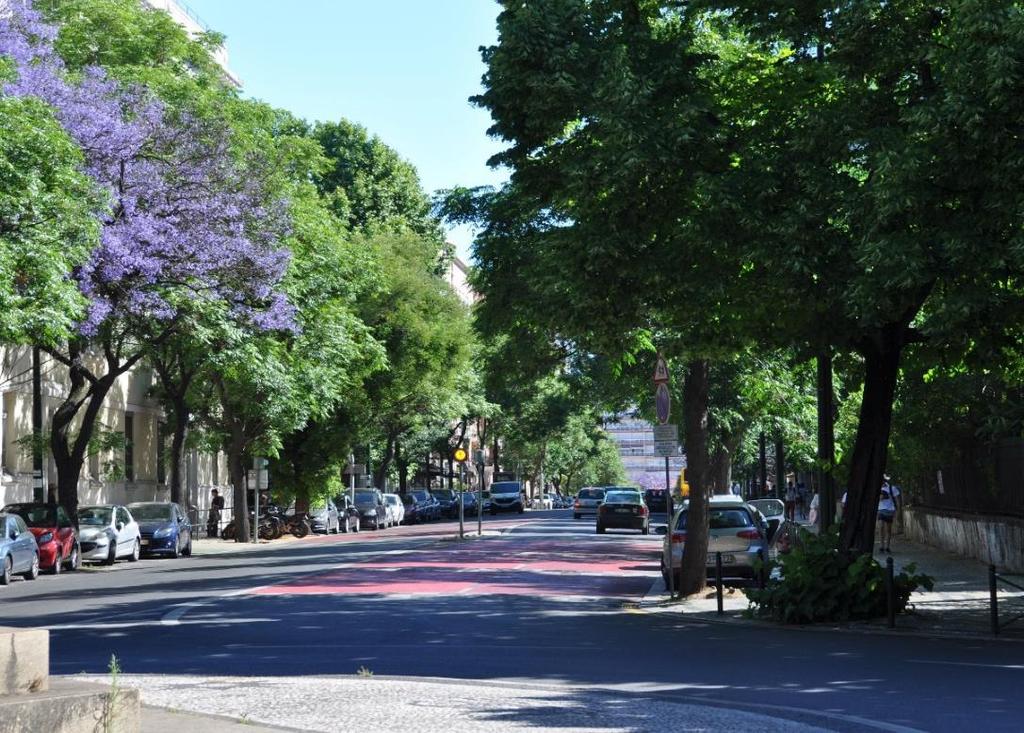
(178, 448)
(236, 471)
(385, 463)
(881, 370)
(826, 442)
(403, 469)
(762, 466)
(695, 417)
(721, 469)
(495, 454)
(69, 452)
(780, 468)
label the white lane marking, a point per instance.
(966, 664)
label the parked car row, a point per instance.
(41, 536)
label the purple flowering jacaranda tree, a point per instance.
(185, 228)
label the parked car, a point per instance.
(411, 509)
(395, 507)
(348, 515)
(623, 510)
(372, 512)
(543, 501)
(107, 532)
(469, 504)
(773, 511)
(324, 518)
(507, 496)
(163, 527)
(19, 552)
(733, 530)
(55, 534)
(446, 502)
(485, 497)
(426, 508)
(655, 500)
(587, 501)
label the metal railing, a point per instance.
(994, 579)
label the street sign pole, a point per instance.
(666, 439)
(462, 500)
(480, 503)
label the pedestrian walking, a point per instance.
(790, 501)
(812, 515)
(801, 499)
(887, 513)
(216, 508)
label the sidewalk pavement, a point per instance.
(958, 605)
(432, 705)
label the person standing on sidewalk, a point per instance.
(213, 520)
(887, 513)
(791, 496)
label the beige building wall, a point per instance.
(98, 484)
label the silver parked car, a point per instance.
(734, 529)
(19, 552)
(587, 501)
(108, 532)
(395, 507)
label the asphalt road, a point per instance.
(547, 602)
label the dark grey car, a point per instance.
(372, 512)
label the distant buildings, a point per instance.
(635, 439)
(188, 19)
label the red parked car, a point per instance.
(54, 532)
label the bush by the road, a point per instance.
(816, 582)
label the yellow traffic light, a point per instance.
(460, 455)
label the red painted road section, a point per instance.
(612, 567)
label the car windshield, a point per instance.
(769, 507)
(366, 498)
(151, 512)
(505, 487)
(591, 494)
(421, 495)
(390, 499)
(444, 494)
(408, 500)
(621, 497)
(35, 515)
(95, 516)
(722, 518)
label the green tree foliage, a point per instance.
(47, 225)
(368, 184)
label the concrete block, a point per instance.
(24, 660)
(72, 707)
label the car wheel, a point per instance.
(356, 527)
(112, 554)
(575, 516)
(600, 529)
(55, 570)
(520, 508)
(647, 530)
(5, 576)
(176, 552)
(136, 552)
(75, 561)
(33, 571)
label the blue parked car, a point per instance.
(164, 528)
(19, 552)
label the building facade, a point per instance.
(635, 440)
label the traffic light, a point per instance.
(460, 454)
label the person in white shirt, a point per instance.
(887, 502)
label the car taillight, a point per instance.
(678, 538)
(749, 534)
(577, 504)
(643, 511)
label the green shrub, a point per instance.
(818, 583)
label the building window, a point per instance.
(129, 447)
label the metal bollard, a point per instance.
(890, 593)
(718, 582)
(993, 594)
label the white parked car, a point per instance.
(543, 501)
(107, 532)
(396, 509)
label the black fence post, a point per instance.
(890, 593)
(993, 594)
(718, 582)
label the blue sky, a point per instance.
(402, 68)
